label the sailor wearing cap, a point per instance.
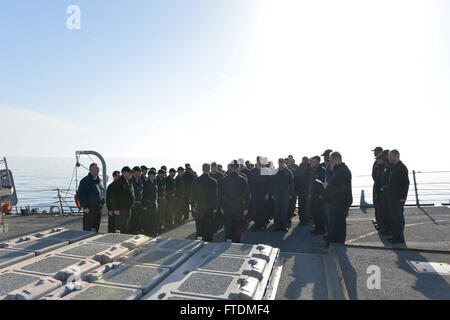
(376, 172)
(189, 177)
(205, 203)
(116, 175)
(382, 184)
(282, 188)
(301, 189)
(138, 185)
(328, 173)
(144, 171)
(122, 194)
(218, 176)
(234, 200)
(180, 195)
(171, 199)
(150, 206)
(260, 190)
(161, 183)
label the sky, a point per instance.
(204, 80)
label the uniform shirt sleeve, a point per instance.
(195, 191)
(374, 171)
(108, 198)
(82, 193)
(337, 179)
(246, 196)
(404, 185)
(291, 184)
(114, 196)
(215, 197)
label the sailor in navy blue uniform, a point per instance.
(234, 201)
(116, 175)
(339, 196)
(150, 216)
(91, 195)
(205, 203)
(171, 198)
(259, 189)
(282, 189)
(398, 192)
(328, 173)
(135, 220)
(376, 172)
(218, 176)
(181, 194)
(161, 183)
(383, 193)
(316, 195)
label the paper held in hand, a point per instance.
(322, 183)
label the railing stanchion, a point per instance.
(415, 188)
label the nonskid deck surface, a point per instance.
(308, 271)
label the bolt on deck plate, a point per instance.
(441, 268)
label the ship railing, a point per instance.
(427, 188)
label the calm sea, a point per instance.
(37, 179)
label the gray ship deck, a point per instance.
(305, 272)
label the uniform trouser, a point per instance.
(318, 214)
(385, 215)
(178, 217)
(186, 207)
(269, 208)
(234, 223)
(171, 208)
(135, 219)
(111, 223)
(397, 220)
(375, 204)
(249, 217)
(303, 207)
(92, 219)
(280, 213)
(379, 211)
(338, 224)
(326, 214)
(162, 207)
(259, 211)
(205, 224)
(149, 218)
(122, 221)
(219, 219)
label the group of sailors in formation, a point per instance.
(148, 201)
